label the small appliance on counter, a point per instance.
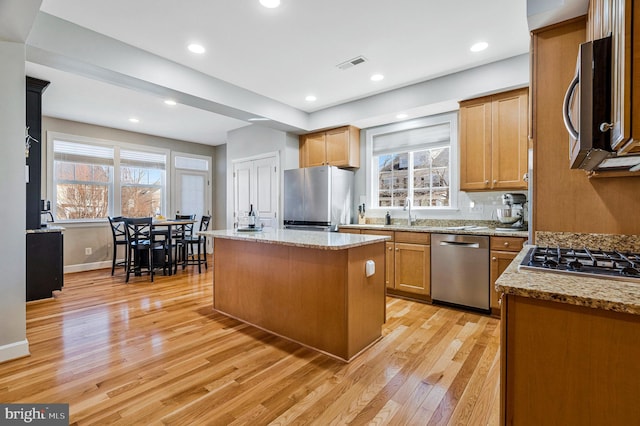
(46, 216)
(512, 217)
(317, 198)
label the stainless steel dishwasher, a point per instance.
(460, 270)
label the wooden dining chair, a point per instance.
(143, 247)
(119, 234)
(199, 243)
(179, 234)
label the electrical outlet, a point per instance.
(88, 251)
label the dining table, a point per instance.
(166, 227)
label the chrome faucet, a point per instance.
(407, 206)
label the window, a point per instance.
(83, 179)
(95, 179)
(413, 161)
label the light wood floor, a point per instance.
(156, 353)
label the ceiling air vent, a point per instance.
(352, 62)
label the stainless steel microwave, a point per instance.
(587, 106)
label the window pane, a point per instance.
(81, 201)
(140, 201)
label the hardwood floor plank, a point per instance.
(157, 353)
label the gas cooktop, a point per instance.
(613, 265)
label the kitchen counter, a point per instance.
(599, 293)
(48, 228)
(311, 287)
(305, 239)
(457, 229)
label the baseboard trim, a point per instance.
(81, 267)
(14, 350)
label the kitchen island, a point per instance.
(307, 286)
(569, 343)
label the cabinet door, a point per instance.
(314, 150)
(509, 140)
(475, 144)
(499, 262)
(412, 268)
(337, 146)
(389, 263)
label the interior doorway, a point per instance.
(255, 182)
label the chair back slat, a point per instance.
(204, 223)
(139, 230)
(188, 229)
(118, 228)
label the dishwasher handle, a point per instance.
(459, 244)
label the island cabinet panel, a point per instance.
(319, 298)
(568, 365)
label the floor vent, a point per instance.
(352, 62)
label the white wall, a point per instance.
(255, 140)
(13, 341)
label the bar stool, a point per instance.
(119, 234)
(199, 255)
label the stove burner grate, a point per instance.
(587, 262)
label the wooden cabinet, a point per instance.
(503, 251)
(409, 273)
(563, 364)
(336, 147)
(494, 142)
(45, 266)
(620, 19)
(407, 262)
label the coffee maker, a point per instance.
(512, 217)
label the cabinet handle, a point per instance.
(397, 249)
(493, 259)
(486, 182)
(506, 243)
(500, 299)
(495, 181)
(525, 177)
(605, 127)
(390, 248)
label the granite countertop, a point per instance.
(480, 229)
(599, 293)
(298, 238)
(48, 228)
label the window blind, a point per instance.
(146, 160)
(74, 152)
(412, 139)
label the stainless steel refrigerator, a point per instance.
(318, 198)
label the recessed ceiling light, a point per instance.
(134, 120)
(270, 3)
(479, 47)
(402, 116)
(170, 102)
(310, 98)
(377, 77)
(258, 119)
(196, 48)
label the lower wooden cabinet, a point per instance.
(563, 364)
(503, 251)
(412, 268)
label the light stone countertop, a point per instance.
(599, 293)
(454, 229)
(48, 228)
(297, 238)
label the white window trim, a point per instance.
(454, 185)
(51, 136)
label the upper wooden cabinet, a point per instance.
(336, 147)
(617, 17)
(493, 141)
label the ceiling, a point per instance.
(279, 56)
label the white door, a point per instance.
(192, 191)
(256, 182)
